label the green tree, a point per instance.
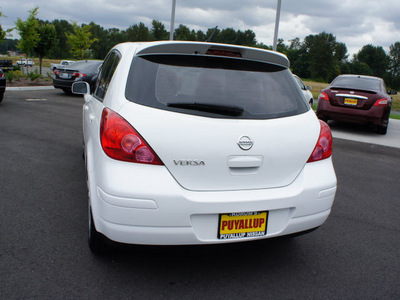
(158, 31)
(3, 33)
(246, 38)
(324, 55)
(375, 58)
(61, 47)
(138, 33)
(183, 33)
(47, 34)
(28, 32)
(394, 53)
(80, 40)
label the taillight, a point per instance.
(1, 75)
(382, 102)
(323, 149)
(223, 53)
(78, 75)
(121, 141)
(57, 72)
(323, 96)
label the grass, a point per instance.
(318, 86)
(46, 61)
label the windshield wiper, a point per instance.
(227, 110)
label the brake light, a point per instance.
(323, 149)
(323, 96)
(1, 75)
(78, 75)
(57, 72)
(382, 102)
(223, 53)
(121, 141)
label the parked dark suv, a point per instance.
(358, 99)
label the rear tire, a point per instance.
(96, 240)
(67, 91)
(381, 129)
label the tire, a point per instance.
(381, 129)
(1, 97)
(96, 240)
(325, 119)
(67, 91)
(311, 102)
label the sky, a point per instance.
(353, 22)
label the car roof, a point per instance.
(200, 48)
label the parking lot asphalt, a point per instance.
(352, 132)
(43, 227)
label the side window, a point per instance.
(106, 73)
(300, 83)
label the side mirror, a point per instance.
(309, 88)
(393, 92)
(81, 88)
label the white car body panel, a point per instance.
(181, 204)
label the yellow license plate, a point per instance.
(350, 101)
(242, 225)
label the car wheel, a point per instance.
(1, 97)
(311, 102)
(325, 119)
(67, 91)
(96, 241)
(381, 129)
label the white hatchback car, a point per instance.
(305, 90)
(201, 143)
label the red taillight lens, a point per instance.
(122, 142)
(323, 96)
(78, 75)
(223, 53)
(1, 75)
(382, 102)
(323, 149)
(57, 72)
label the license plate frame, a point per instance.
(350, 101)
(242, 225)
(65, 75)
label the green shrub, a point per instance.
(13, 75)
(34, 75)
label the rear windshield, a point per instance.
(357, 83)
(88, 66)
(214, 87)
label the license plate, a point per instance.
(65, 75)
(350, 101)
(242, 225)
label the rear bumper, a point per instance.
(375, 115)
(62, 84)
(145, 205)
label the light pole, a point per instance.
(171, 32)
(278, 14)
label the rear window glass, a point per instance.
(89, 66)
(214, 87)
(358, 83)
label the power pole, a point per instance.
(278, 14)
(171, 32)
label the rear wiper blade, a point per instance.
(227, 110)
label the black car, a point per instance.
(2, 84)
(85, 70)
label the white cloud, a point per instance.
(353, 22)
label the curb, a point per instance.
(30, 88)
